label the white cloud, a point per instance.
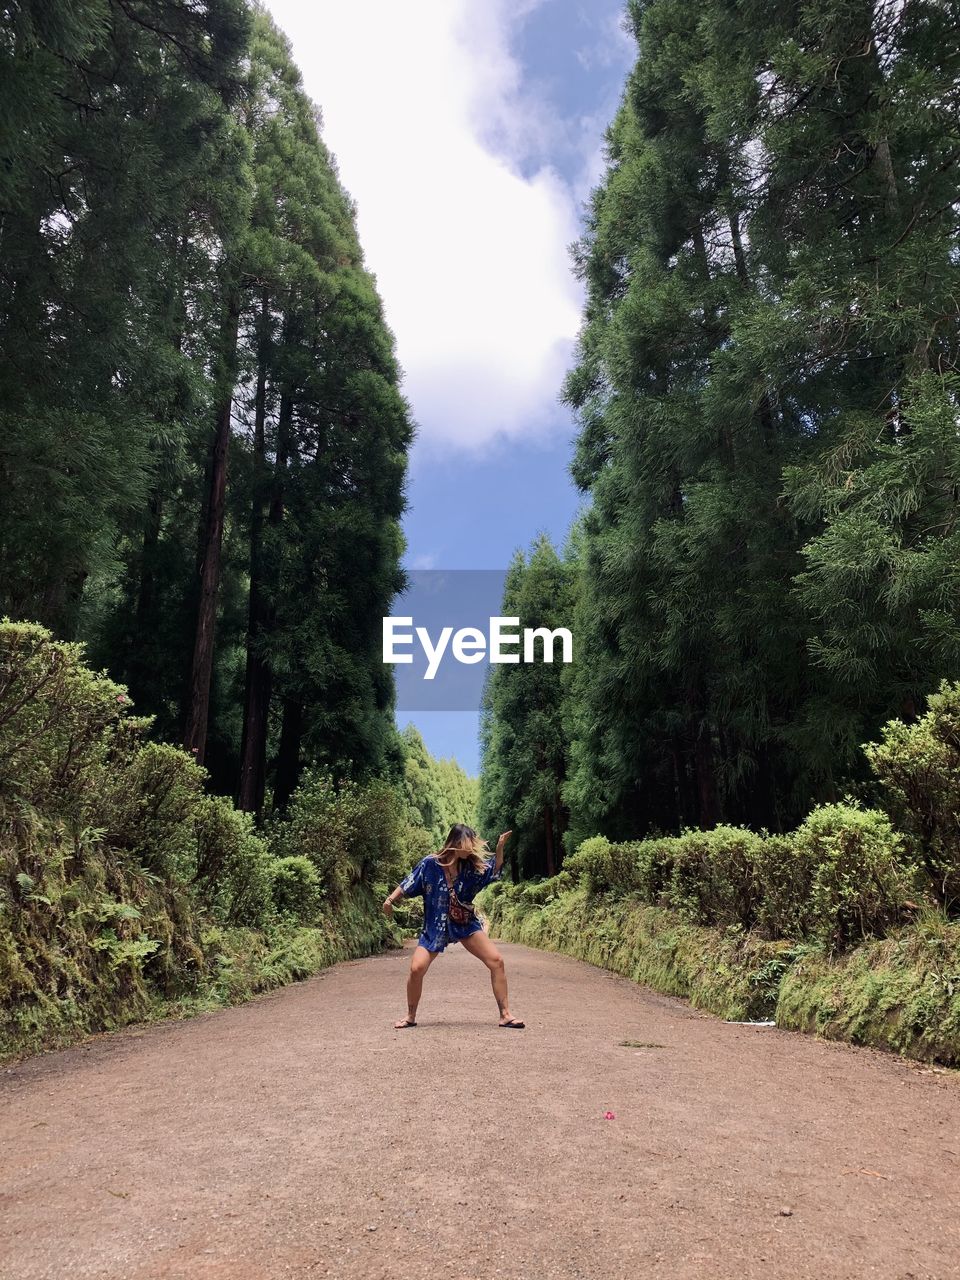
(610, 41)
(426, 561)
(464, 227)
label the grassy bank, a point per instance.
(731, 974)
(129, 892)
(847, 927)
(900, 993)
(56, 998)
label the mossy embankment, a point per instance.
(58, 984)
(847, 927)
(129, 892)
(731, 976)
(900, 993)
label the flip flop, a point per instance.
(404, 1024)
(512, 1024)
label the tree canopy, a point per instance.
(767, 394)
(202, 438)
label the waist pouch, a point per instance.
(460, 912)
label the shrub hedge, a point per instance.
(844, 876)
(127, 891)
(845, 927)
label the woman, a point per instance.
(448, 881)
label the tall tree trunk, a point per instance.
(284, 426)
(259, 677)
(147, 587)
(198, 710)
(706, 780)
(548, 834)
(513, 866)
(288, 757)
(288, 762)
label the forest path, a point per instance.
(300, 1135)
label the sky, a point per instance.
(470, 136)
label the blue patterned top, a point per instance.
(428, 881)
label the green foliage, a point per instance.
(157, 808)
(919, 767)
(330, 432)
(126, 890)
(438, 792)
(732, 974)
(121, 172)
(351, 833)
(234, 865)
(842, 877)
(59, 723)
(178, 253)
(767, 394)
(591, 864)
(524, 750)
(901, 993)
(861, 881)
(296, 887)
(713, 876)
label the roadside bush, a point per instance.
(782, 882)
(729, 972)
(296, 888)
(540, 891)
(606, 867)
(415, 843)
(234, 876)
(62, 726)
(652, 866)
(589, 864)
(713, 876)
(919, 768)
(900, 993)
(126, 890)
(862, 883)
(381, 833)
(845, 875)
(149, 806)
(319, 825)
(352, 833)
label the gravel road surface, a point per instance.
(300, 1135)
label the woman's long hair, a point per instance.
(463, 842)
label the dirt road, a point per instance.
(300, 1135)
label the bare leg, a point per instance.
(419, 964)
(479, 945)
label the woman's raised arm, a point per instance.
(500, 846)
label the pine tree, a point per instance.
(438, 792)
(524, 746)
(307, 354)
(768, 409)
(203, 442)
(100, 115)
